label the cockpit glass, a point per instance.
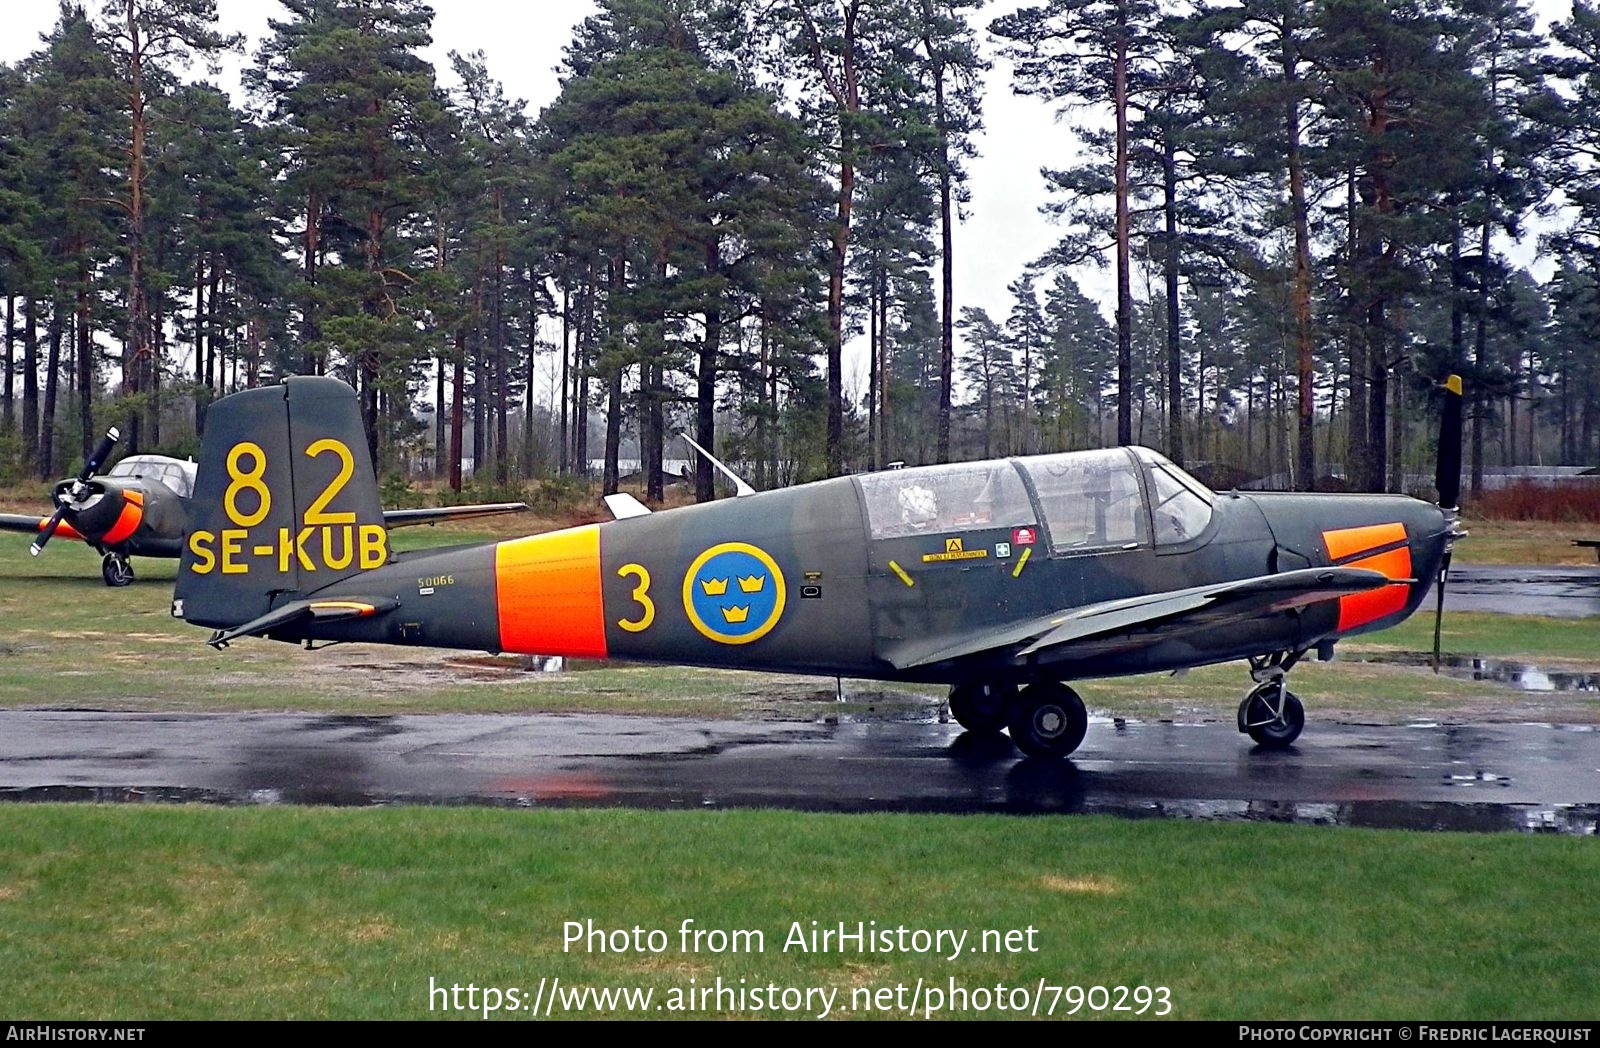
(179, 476)
(1091, 499)
(958, 497)
(1180, 504)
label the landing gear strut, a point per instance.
(116, 570)
(1271, 714)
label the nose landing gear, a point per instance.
(116, 570)
(1271, 714)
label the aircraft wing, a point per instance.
(1135, 622)
(407, 518)
(28, 525)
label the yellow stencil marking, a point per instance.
(1016, 572)
(898, 570)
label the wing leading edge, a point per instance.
(408, 518)
(1157, 617)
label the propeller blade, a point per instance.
(91, 466)
(36, 547)
(98, 456)
(1438, 611)
(1448, 478)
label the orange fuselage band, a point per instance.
(1358, 609)
(128, 520)
(1348, 541)
(547, 588)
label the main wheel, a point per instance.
(981, 707)
(1047, 720)
(1272, 715)
(116, 570)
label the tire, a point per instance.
(1271, 728)
(982, 707)
(116, 570)
(1048, 720)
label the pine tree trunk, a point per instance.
(1169, 267)
(1306, 361)
(706, 387)
(1124, 269)
(30, 385)
(947, 251)
(52, 383)
(564, 457)
(457, 408)
(8, 407)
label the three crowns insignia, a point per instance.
(747, 584)
(736, 614)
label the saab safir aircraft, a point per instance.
(1003, 579)
(140, 508)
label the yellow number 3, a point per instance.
(641, 594)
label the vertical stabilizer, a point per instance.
(285, 502)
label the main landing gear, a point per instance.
(1046, 718)
(116, 570)
(1271, 714)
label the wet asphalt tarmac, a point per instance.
(1528, 777)
(1561, 592)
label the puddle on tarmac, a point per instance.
(1520, 676)
(1474, 817)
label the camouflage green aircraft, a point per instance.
(1003, 579)
(140, 508)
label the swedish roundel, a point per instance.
(734, 593)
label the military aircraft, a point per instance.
(140, 508)
(1004, 579)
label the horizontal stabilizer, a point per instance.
(407, 518)
(325, 610)
(1199, 607)
(623, 505)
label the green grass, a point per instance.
(263, 913)
(1485, 633)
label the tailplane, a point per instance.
(285, 502)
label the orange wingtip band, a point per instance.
(127, 522)
(1347, 542)
(63, 530)
(547, 589)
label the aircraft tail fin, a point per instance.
(285, 502)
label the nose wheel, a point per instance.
(116, 570)
(1272, 715)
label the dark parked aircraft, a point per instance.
(140, 508)
(1004, 579)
